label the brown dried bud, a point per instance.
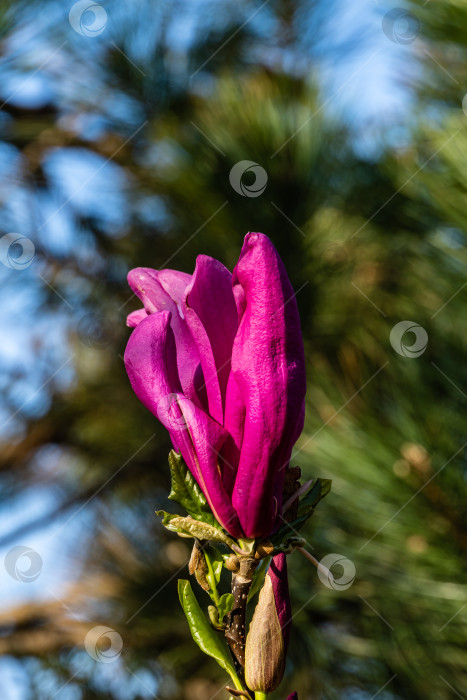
(264, 550)
(198, 566)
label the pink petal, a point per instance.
(269, 368)
(150, 360)
(144, 284)
(135, 317)
(200, 446)
(211, 315)
(234, 422)
(151, 287)
(174, 283)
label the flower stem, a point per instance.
(211, 579)
(237, 682)
(235, 634)
(260, 696)
(315, 562)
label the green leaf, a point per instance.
(212, 574)
(218, 612)
(186, 492)
(247, 545)
(288, 532)
(207, 640)
(318, 490)
(193, 528)
(213, 613)
(217, 560)
(225, 605)
(289, 545)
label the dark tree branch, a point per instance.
(235, 633)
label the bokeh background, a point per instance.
(120, 125)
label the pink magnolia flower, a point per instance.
(218, 358)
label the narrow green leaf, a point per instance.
(317, 491)
(207, 640)
(211, 576)
(225, 605)
(186, 492)
(214, 617)
(217, 560)
(288, 532)
(193, 528)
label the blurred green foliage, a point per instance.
(368, 242)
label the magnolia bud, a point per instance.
(268, 635)
(232, 563)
